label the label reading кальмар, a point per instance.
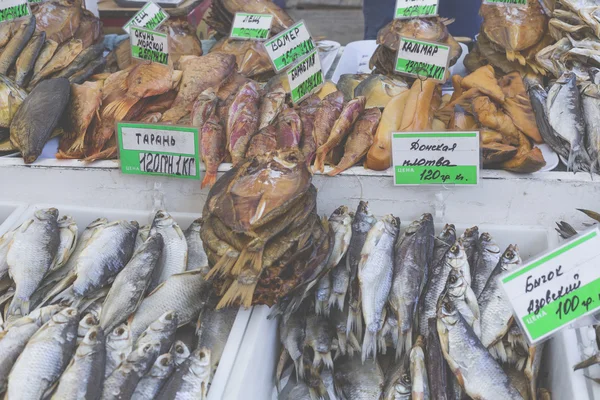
(162, 150)
(422, 59)
(416, 8)
(13, 9)
(251, 26)
(151, 16)
(290, 45)
(149, 45)
(434, 158)
(556, 288)
(306, 77)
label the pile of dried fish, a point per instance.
(261, 232)
(431, 29)
(101, 312)
(436, 300)
(60, 39)
(567, 117)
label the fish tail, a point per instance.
(369, 345)
(381, 344)
(299, 365)
(337, 300)
(322, 307)
(224, 265)
(251, 257)
(242, 289)
(320, 160)
(209, 180)
(595, 359)
(280, 366)
(342, 343)
(324, 358)
(498, 351)
(521, 363)
(353, 344)
(355, 323)
(404, 343)
(336, 171)
(579, 160)
(120, 108)
(18, 306)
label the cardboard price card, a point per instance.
(556, 288)
(507, 2)
(149, 45)
(151, 16)
(162, 150)
(421, 59)
(13, 9)
(433, 158)
(251, 26)
(290, 45)
(416, 8)
(306, 77)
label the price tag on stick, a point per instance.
(421, 59)
(11, 10)
(434, 158)
(306, 77)
(149, 45)
(507, 2)
(162, 150)
(151, 16)
(556, 288)
(251, 26)
(290, 45)
(416, 8)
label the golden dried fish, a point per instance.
(45, 55)
(26, 60)
(327, 113)
(263, 142)
(12, 50)
(271, 106)
(90, 29)
(242, 122)
(60, 19)
(348, 83)
(212, 145)
(204, 107)
(11, 97)
(63, 57)
(182, 40)
(379, 90)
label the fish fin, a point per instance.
(251, 257)
(120, 108)
(498, 351)
(19, 306)
(595, 359)
(242, 289)
(355, 323)
(591, 214)
(337, 300)
(319, 164)
(280, 366)
(322, 307)
(521, 363)
(342, 344)
(324, 358)
(369, 345)
(59, 288)
(209, 180)
(405, 342)
(225, 264)
(299, 365)
(336, 170)
(353, 344)
(381, 344)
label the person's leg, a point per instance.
(280, 3)
(377, 13)
(466, 13)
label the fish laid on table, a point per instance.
(242, 121)
(340, 222)
(437, 368)
(340, 130)
(197, 258)
(149, 386)
(375, 272)
(347, 341)
(11, 97)
(418, 371)
(173, 258)
(190, 381)
(319, 336)
(84, 375)
(291, 335)
(445, 257)
(565, 115)
(591, 110)
(496, 312)
(307, 110)
(90, 69)
(180, 352)
(183, 293)
(463, 299)
(328, 112)
(289, 126)
(16, 44)
(204, 107)
(469, 240)
(361, 225)
(488, 255)
(161, 331)
(359, 141)
(87, 55)
(45, 357)
(127, 291)
(13, 342)
(272, 104)
(45, 55)
(85, 324)
(358, 380)
(199, 74)
(118, 345)
(38, 115)
(26, 60)
(123, 381)
(30, 256)
(412, 259)
(474, 367)
(61, 58)
(213, 144)
(213, 331)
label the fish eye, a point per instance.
(406, 379)
(93, 335)
(510, 254)
(454, 249)
(179, 349)
(453, 279)
(119, 331)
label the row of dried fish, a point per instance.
(126, 283)
(402, 291)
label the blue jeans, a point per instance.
(379, 13)
(280, 3)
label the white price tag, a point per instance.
(422, 59)
(151, 16)
(306, 77)
(289, 46)
(251, 26)
(416, 8)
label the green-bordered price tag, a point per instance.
(425, 60)
(13, 9)
(149, 45)
(35, 1)
(290, 45)
(416, 8)
(507, 2)
(555, 289)
(151, 16)
(306, 77)
(162, 150)
(435, 158)
(251, 26)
